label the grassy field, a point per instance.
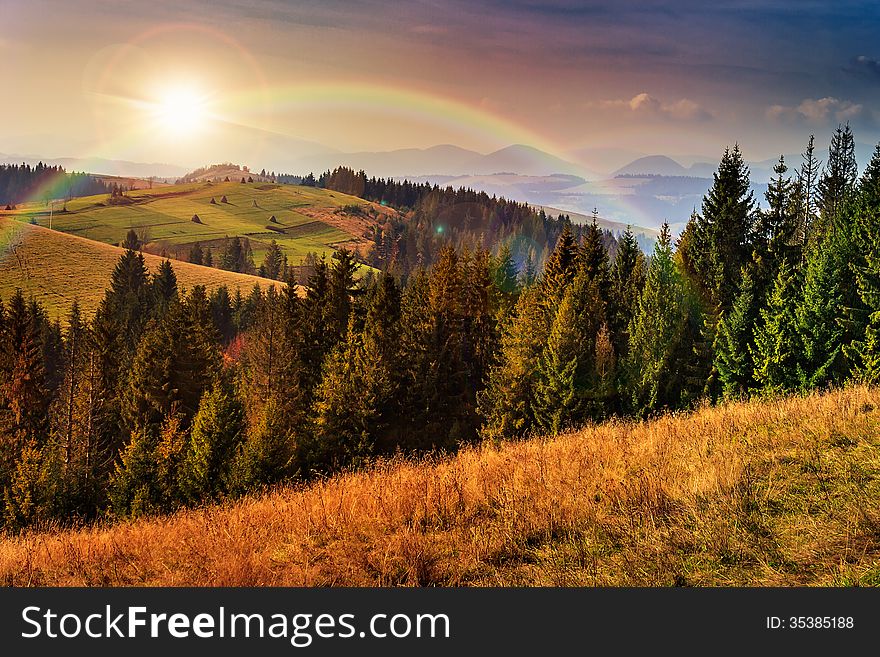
(783, 492)
(57, 268)
(306, 218)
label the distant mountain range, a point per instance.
(645, 191)
(661, 165)
(443, 160)
(99, 165)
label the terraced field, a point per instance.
(299, 219)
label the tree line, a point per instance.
(170, 398)
(23, 182)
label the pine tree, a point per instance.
(126, 302)
(272, 262)
(34, 494)
(820, 314)
(869, 183)
(132, 242)
(176, 361)
(808, 176)
(196, 255)
(733, 343)
(164, 287)
(217, 431)
(628, 276)
(346, 406)
(269, 453)
(132, 489)
(529, 274)
(560, 267)
(506, 404)
(720, 243)
(73, 409)
(864, 350)
(566, 389)
(341, 289)
(504, 272)
(777, 348)
(23, 385)
(657, 350)
(775, 234)
(839, 176)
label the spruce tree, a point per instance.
(560, 267)
(778, 349)
(196, 255)
(272, 262)
(839, 176)
(566, 391)
(164, 287)
(132, 489)
(808, 176)
(217, 431)
(720, 244)
(506, 404)
(504, 272)
(269, 453)
(821, 314)
(654, 364)
(869, 184)
(775, 234)
(733, 351)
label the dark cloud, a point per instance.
(864, 67)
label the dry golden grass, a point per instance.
(57, 268)
(783, 492)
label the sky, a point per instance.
(194, 82)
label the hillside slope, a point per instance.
(57, 268)
(299, 219)
(783, 492)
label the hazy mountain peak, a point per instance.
(655, 165)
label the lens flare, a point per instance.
(180, 111)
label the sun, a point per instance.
(180, 111)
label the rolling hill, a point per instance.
(57, 268)
(172, 218)
(777, 492)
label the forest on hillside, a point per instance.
(170, 398)
(23, 182)
(435, 216)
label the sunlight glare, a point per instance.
(180, 111)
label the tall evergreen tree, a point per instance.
(821, 313)
(658, 349)
(839, 176)
(506, 403)
(733, 343)
(560, 267)
(778, 348)
(808, 177)
(164, 287)
(869, 183)
(273, 262)
(217, 432)
(566, 391)
(721, 236)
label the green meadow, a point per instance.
(307, 219)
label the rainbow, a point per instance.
(475, 121)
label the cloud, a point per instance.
(646, 105)
(819, 110)
(864, 67)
